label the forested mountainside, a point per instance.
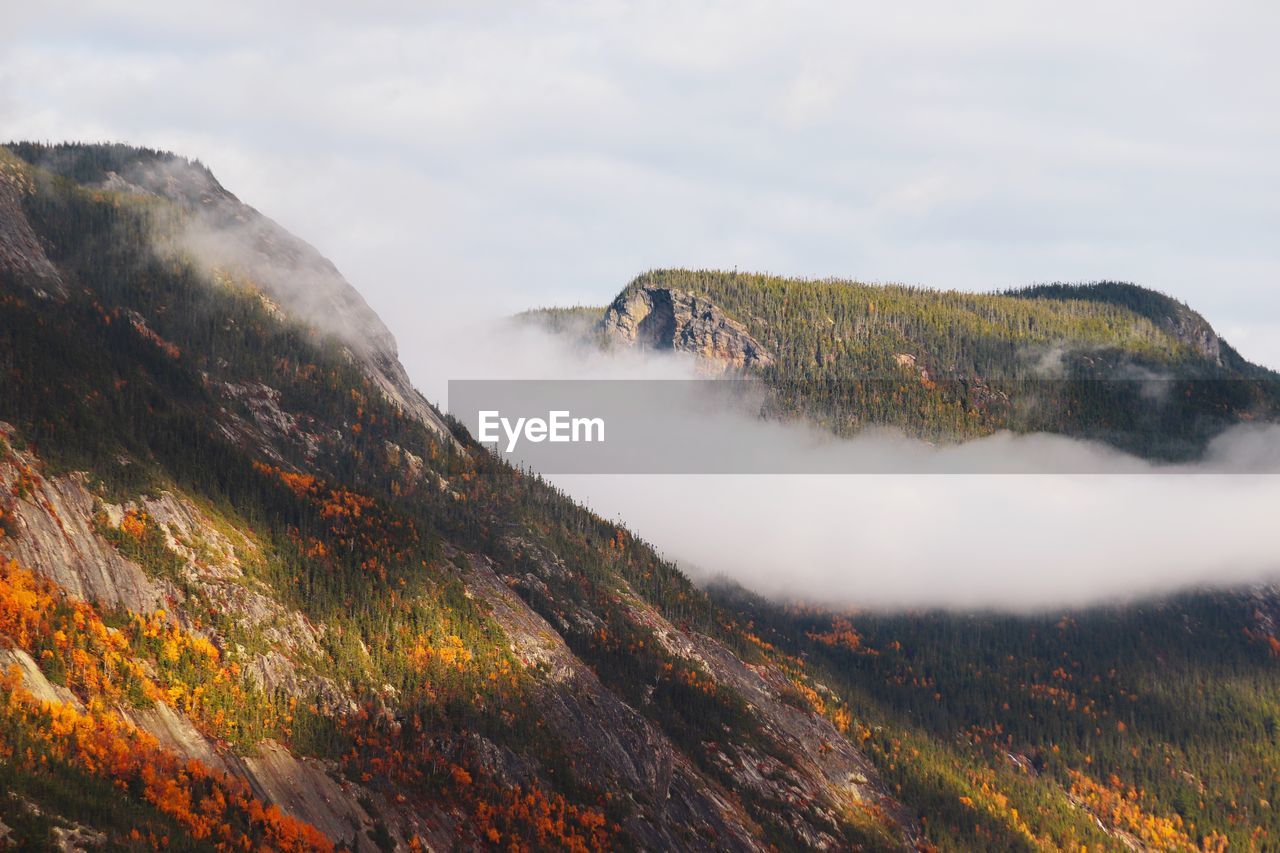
(1087, 361)
(256, 592)
(1142, 727)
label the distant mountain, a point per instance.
(1080, 360)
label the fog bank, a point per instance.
(923, 539)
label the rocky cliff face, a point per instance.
(1195, 331)
(664, 319)
(21, 254)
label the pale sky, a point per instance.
(474, 156)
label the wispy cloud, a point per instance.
(927, 537)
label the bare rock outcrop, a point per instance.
(303, 788)
(661, 318)
(829, 771)
(617, 749)
(34, 680)
(21, 254)
(50, 530)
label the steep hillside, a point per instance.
(1084, 361)
(256, 591)
(1145, 727)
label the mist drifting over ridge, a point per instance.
(924, 539)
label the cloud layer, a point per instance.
(931, 537)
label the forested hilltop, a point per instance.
(1080, 360)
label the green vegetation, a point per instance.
(1176, 701)
(946, 365)
(1154, 724)
(578, 320)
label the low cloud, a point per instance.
(928, 538)
(955, 541)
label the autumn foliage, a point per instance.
(406, 756)
(1121, 807)
(73, 644)
(209, 805)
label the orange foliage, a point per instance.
(451, 653)
(535, 820)
(211, 806)
(169, 349)
(134, 524)
(406, 756)
(299, 484)
(1120, 807)
(992, 800)
(68, 636)
(810, 696)
(843, 718)
(352, 522)
(842, 635)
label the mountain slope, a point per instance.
(235, 535)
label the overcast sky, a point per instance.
(471, 156)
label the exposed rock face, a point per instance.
(303, 789)
(617, 749)
(834, 773)
(21, 254)
(34, 679)
(50, 528)
(1194, 331)
(621, 750)
(665, 319)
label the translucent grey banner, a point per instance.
(876, 426)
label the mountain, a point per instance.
(1085, 361)
(256, 592)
